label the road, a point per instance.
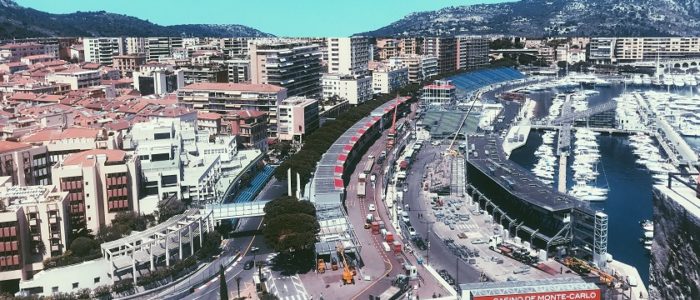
(210, 290)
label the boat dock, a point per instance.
(561, 183)
(622, 270)
(516, 138)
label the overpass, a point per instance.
(227, 211)
(681, 63)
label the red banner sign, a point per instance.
(566, 295)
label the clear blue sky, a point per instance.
(279, 17)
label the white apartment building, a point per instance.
(348, 56)
(76, 78)
(101, 50)
(297, 116)
(161, 47)
(294, 66)
(638, 49)
(135, 45)
(33, 227)
(177, 159)
(472, 52)
(387, 80)
(355, 90)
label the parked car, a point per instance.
(248, 265)
(411, 231)
(372, 207)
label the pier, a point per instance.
(561, 184)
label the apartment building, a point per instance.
(76, 78)
(162, 47)
(348, 56)
(387, 48)
(411, 46)
(238, 70)
(62, 142)
(445, 49)
(249, 127)
(102, 50)
(135, 45)
(639, 49)
(472, 52)
(293, 66)
(25, 164)
(33, 226)
(297, 117)
(158, 79)
(237, 46)
(354, 89)
(420, 67)
(227, 97)
(386, 80)
(127, 64)
(14, 52)
(203, 74)
(100, 183)
(441, 92)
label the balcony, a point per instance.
(53, 219)
(33, 222)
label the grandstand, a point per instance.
(472, 81)
(256, 185)
(443, 124)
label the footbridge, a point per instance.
(571, 116)
(228, 211)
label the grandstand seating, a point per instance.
(474, 80)
(248, 194)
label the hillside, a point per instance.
(21, 22)
(536, 18)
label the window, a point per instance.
(54, 289)
(97, 279)
(75, 285)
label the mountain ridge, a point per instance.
(539, 18)
(21, 22)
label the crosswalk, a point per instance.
(467, 227)
(284, 287)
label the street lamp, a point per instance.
(428, 225)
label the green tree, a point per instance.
(83, 246)
(285, 205)
(290, 232)
(169, 208)
(223, 288)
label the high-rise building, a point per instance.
(33, 227)
(387, 48)
(386, 80)
(472, 52)
(102, 50)
(100, 183)
(297, 116)
(445, 49)
(160, 47)
(237, 46)
(348, 56)
(135, 45)
(238, 70)
(411, 46)
(227, 97)
(293, 66)
(209, 73)
(76, 78)
(420, 67)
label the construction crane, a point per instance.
(449, 150)
(347, 273)
(582, 267)
(392, 131)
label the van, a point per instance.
(386, 246)
(369, 218)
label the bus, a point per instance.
(369, 165)
(361, 190)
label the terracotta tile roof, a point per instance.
(243, 87)
(89, 157)
(58, 134)
(208, 115)
(245, 114)
(7, 146)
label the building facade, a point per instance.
(158, 79)
(127, 64)
(348, 56)
(441, 92)
(161, 47)
(293, 66)
(472, 52)
(25, 164)
(445, 49)
(102, 50)
(297, 117)
(228, 97)
(387, 80)
(355, 90)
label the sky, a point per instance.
(279, 17)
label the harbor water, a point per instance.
(630, 186)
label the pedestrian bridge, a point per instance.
(235, 210)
